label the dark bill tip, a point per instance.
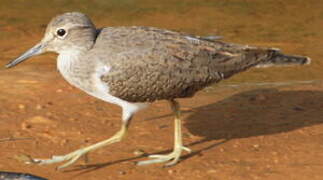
(9, 65)
(37, 49)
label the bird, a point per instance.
(134, 66)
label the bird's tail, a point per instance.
(279, 59)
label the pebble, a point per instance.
(21, 106)
(163, 126)
(72, 119)
(36, 120)
(170, 171)
(259, 97)
(88, 114)
(64, 142)
(276, 161)
(49, 103)
(25, 126)
(122, 172)
(39, 107)
(49, 114)
(139, 152)
(40, 120)
(87, 140)
(212, 171)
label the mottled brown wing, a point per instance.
(149, 64)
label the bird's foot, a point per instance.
(174, 156)
(70, 158)
(75, 155)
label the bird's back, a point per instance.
(148, 64)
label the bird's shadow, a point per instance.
(256, 113)
(246, 114)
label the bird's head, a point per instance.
(72, 31)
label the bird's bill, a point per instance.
(36, 50)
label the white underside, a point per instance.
(101, 90)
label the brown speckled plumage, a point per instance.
(149, 64)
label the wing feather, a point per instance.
(149, 64)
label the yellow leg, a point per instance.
(74, 156)
(178, 143)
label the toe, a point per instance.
(75, 158)
(152, 161)
(156, 156)
(172, 163)
(187, 149)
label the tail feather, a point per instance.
(280, 59)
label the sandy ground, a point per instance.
(248, 131)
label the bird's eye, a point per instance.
(61, 32)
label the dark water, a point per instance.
(18, 176)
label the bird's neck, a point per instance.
(67, 59)
(68, 63)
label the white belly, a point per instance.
(102, 92)
(93, 85)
